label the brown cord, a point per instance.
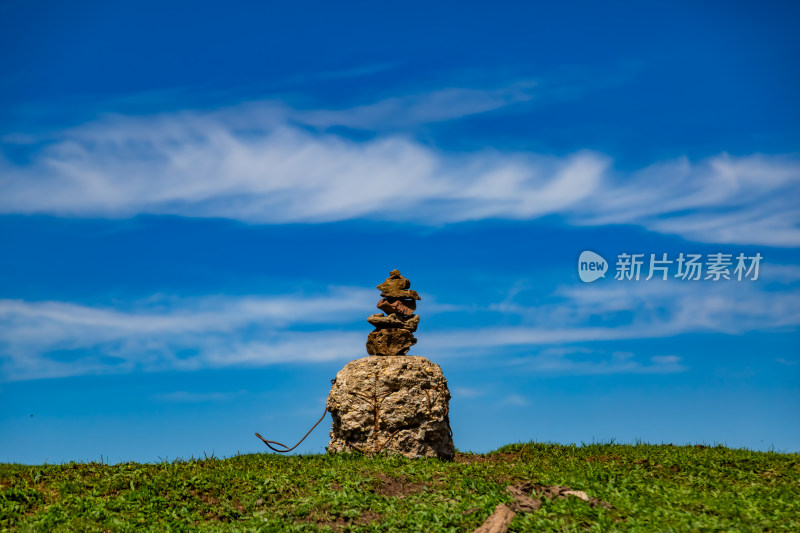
(286, 449)
(269, 443)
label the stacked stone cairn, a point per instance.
(391, 402)
(394, 332)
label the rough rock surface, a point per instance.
(393, 333)
(390, 342)
(394, 321)
(395, 286)
(391, 305)
(392, 404)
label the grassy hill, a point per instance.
(647, 487)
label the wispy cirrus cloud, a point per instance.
(196, 397)
(196, 167)
(573, 360)
(268, 163)
(629, 310)
(54, 339)
(420, 108)
(191, 315)
(752, 200)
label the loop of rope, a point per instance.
(286, 449)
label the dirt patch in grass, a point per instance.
(216, 508)
(528, 498)
(340, 523)
(504, 457)
(647, 463)
(325, 518)
(396, 487)
(368, 517)
(468, 458)
(523, 491)
(603, 458)
(205, 497)
(50, 494)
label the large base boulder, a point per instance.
(392, 404)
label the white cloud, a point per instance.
(434, 106)
(196, 397)
(28, 320)
(198, 167)
(724, 199)
(516, 400)
(629, 310)
(581, 361)
(467, 392)
(54, 339)
(265, 163)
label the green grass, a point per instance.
(651, 488)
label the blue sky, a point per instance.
(196, 204)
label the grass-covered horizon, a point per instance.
(648, 487)
(104, 460)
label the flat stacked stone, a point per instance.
(394, 331)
